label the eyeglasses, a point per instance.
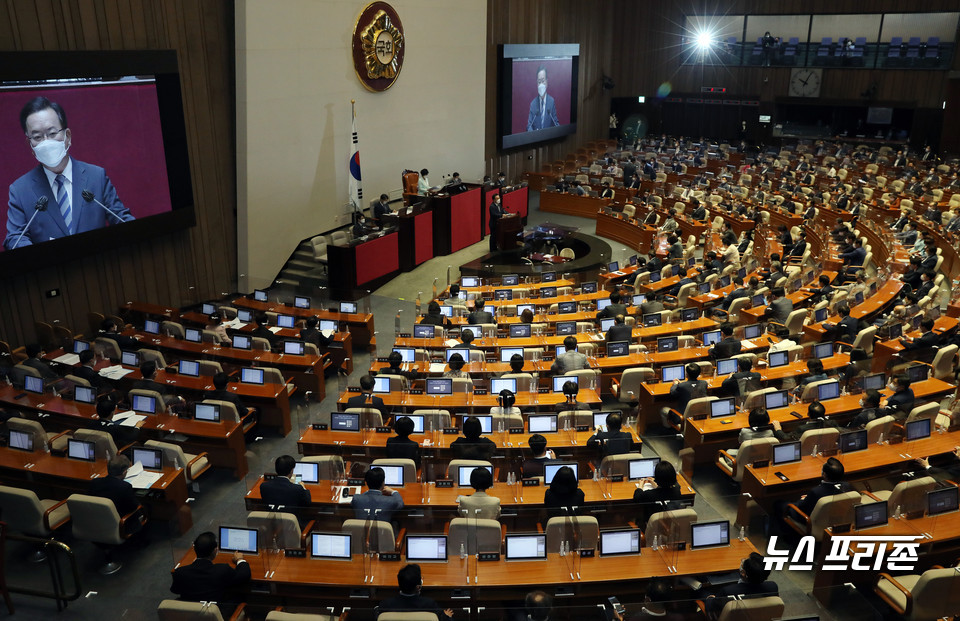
(53, 134)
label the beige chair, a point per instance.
(96, 519)
(370, 418)
(524, 380)
(628, 388)
(104, 446)
(617, 464)
(582, 531)
(942, 364)
(435, 419)
(926, 410)
(756, 398)
(108, 347)
(152, 355)
(175, 610)
(229, 413)
(749, 452)
(475, 535)
(77, 381)
(160, 407)
(696, 408)
(670, 526)
(567, 253)
(454, 464)
(752, 609)
(42, 439)
(330, 467)
(279, 615)
(829, 511)
(931, 595)
(407, 616)
(209, 368)
(586, 378)
(909, 496)
(810, 390)
(280, 526)
(398, 383)
(25, 513)
(193, 465)
(569, 419)
(409, 466)
(371, 536)
(463, 384)
(821, 439)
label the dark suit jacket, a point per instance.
(231, 397)
(410, 603)
(368, 401)
(554, 501)
(924, 341)
(122, 436)
(85, 372)
(619, 332)
(403, 448)
(312, 335)
(847, 329)
(478, 317)
(802, 428)
(206, 581)
(699, 213)
(612, 442)
(729, 346)
(655, 500)
(538, 120)
(822, 490)
(929, 262)
(612, 310)
(145, 384)
(481, 448)
(265, 333)
(533, 467)
(117, 490)
(124, 342)
(435, 320)
(283, 491)
(45, 371)
(686, 390)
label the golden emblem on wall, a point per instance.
(378, 46)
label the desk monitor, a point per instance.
(918, 372)
(589, 287)
(876, 381)
(639, 299)
(151, 326)
(392, 475)
(566, 327)
(560, 380)
(776, 399)
(520, 331)
(752, 331)
(691, 261)
(548, 277)
(470, 281)
(542, 423)
(526, 547)
(293, 348)
(642, 468)
(208, 309)
(870, 514)
(286, 321)
(130, 358)
(785, 453)
(329, 324)
(526, 307)
(151, 458)
(602, 304)
(143, 404)
(506, 353)
(259, 295)
(426, 331)
(251, 375)
(742, 272)
(22, 440)
(548, 292)
(820, 314)
(407, 354)
(896, 330)
(350, 308)
(672, 372)
(426, 548)
(858, 298)
(918, 429)
(703, 287)
(510, 280)
(633, 259)
(551, 468)
(722, 408)
(655, 277)
(620, 541)
(726, 366)
(852, 441)
(331, 546)
(343, 421)
(245, 315)
(618, 348)
(439, 386)
(381, 384)
(724, 281)
(236, 539)
(209, 412)
(711, 338)
(242, 341)
(300, 301)
(606, 324)
(446, 310)
(464, 472)
(192, 335)
(475, 328)
(943, 500)
(84, 394)
(503, 294)
(600, 418)
(709, 534)
(189, 368)
(830, 390)
(758, 300)
(565, 308)
(80, 346)
(651, 320)
(613, 266)
(915, 321)
(689, 314)
(81, 449)
(498, 384)
(486, 421)
(668, 343)
(778, 359)
(822, 350)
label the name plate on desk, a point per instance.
(761, 463)
(587, 553)
(515, 429)
(389, 556)
(294, 553)
(353, 389)
(616, 478)
(451, 431)
(840, 528)
(352, 481)
(383, 429)
(320, 426)
(444, 483)
(531, 482)
(479, 391)
(543, 391)
(382, 359)
(488, 556)
(402, 335)
(269, 476)
(583, 427)
(419, 391)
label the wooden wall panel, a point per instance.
(176, 268)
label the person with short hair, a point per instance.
(480, 505)
(901, 401)
(517, 362)
(114, 487)
(570, 391)
(401, 446)
(379, 502)
(682, 392)
(262, 331)
(870, 410)
(109, 329)
(728, 345)
(539, 454)
(423, 183)
(366, 398)
(206, 581)
(381, 208)
(466, 340)
(612, 441)
(282, 492)
(310, 333)
(456, 363)
(472, 445)
(752, 583)
(816, 419)
(780, 306)
(619, 331)
(410, 581)
(478, 315)
(660, 493)
(616, 307)
(123, 436)
(34, 354)
(221, 392)
(434, 315)
(215, 325)
(87, 370)
(538, 606)
(570, 359)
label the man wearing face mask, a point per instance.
(496, 214)
(59, 180)
(543, 110)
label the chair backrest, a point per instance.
(407, 616)
(260, 343)
(209, 368)
(175, 610)
(463, 384)
(152, 355)
(524, 380)
(794, 323)
(456, 463)
(927, 410)
(272, 375)
(370, 536)
(94, 519)
(935, 595)
(330, 467)
(755, 398)
(172, 453)
(569, 419)
(26, 370)
(910, 495)
(583, 530)
(751, 451)
(943, 362)
(586, 378)
(398, 383)
(631, 380)
(476, 535)
(832, 510)
(22, 511)
(161, 406)
(617, 464)
(32, 427)
(435, 419)
(409, 466)
(278, 525)
(173, 328)
(699, 406)
(752, 609)
(228, 411)
(104, 447)
(670, 526)
(370, 418)
(823, 439)
(810, 390)
(877, 427)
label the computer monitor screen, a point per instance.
(486, 421)
(192, 335)
(858, 298)
(776, 399)
(84, 394)
(600, 418)
(439, 386)
(786, 453)
(80, 346)
(422, 548)
(672, 372)
(722, 407)
(822, 350)
(867, 515)
(21, 440)
(520, 330)
(652, 320)
(503, 294)
(726, 366)
(250, 375)
(286, 321)
(703, 287)
(498, 384)
(602, 304)
(242, 341)
(548, 292)
(475, 329)
(874, 382)
(548, 277)
(642, 468)
(506, 353)
(943, 500)
(724, 281)
(446, 310)
(245, 315)
(551, 468)
(143, 404)
(381, 384)
(560, 380)
(526, 547)
(342, 421)
(349, 308)
(293, 348)
(542, 423)
(752, 331)
(820, 314)
(81, 449)
(330, 545)
(151, 458)
(209, 412)
(918, 429)
(711, 338)
(190, 368)
(565, 308)
(526, 307)
(778, 359)
(918, 372)
(655, 277)
(418, 420)
(464, 472)
(613, 266)
(830, 390)
(896, 331)
(470, 281)
(234, 539)
(618, 348)
(208, 309)
(639, 299)
(689, 314)
(259, 295)
(633, 259)
(617, 542)
(392, 475)
(589, 287)
(407, 354)
(852, 441)
(329, 324)
(510, 280)
(668, 343)
(566, 328)
(424, 332)
(151, 327)
(709, 534)
(130, 358)
(758, 300)
(606, 324)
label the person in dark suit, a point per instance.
(926, 340)
(262, 331)
(616, 307)
(472, 445)
(410, 581)
(870, 404)
(366, 398)
(831, 483)
(478, 315)
(750, 379)
(281, 492)
(539, 455)
(728, 346)
(563, 496)
(221, 392)
(543, 109)
(847, 328)
(59, 179)
(148, 371)
(34, 353)
(395, 366)
(661, 493)
(401, 446)
(619, 331)
(122, 436)
(683, 392)
(466, 340)
(926, 283)
(699, 211)
(912, 276)
(613, 441)
(816, 419)
(206, 581)
(855, 256)
(311, 334)
(87, 372)
(496, 214)
(379, 502)
(929, 261)
(381, 208)
(109, 329)
(753, 583)
(434, 317)
(118, 491)
(630, 169)
(780, 306)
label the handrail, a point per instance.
(50, 546)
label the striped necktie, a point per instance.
(63, 201)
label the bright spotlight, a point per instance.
(704, 40)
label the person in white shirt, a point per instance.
(423, 184)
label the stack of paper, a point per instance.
(274, 329)
(327, 333)
(115, 372)
(437, 367)
(144, 480)
(748, 344)
(234, 324)
(451, 343)
(70, 359)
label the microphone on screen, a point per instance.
(89, 197)
(40, 205)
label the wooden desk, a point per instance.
(360, 324)
(629, 232)
(868, 308)
(570, 204)
(883, 351)
(469, 402)
(364, 264)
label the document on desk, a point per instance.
(115, 372)
(133, 420)
(451, 343)
(70, 359)
(234, 324)
(275, 329)
(748, 344)
(437, 367)
(327, 333)
(143, 480)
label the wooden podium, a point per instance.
(509, 227)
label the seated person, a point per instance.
(824, 291)
(870, 404)
(815, 373)
(454, 299)
(221, 393)
(282, 493)
(539, 454)
(263, 332)
(480, 505)
(616, 307)
(661, 493)
(563, 496)
(831, 483)
(816, 419)
(619, 331)
(395, 366)
(613, 441)
(570, 359)
(505, 405)
(120, 492)
(926, 340)
(122, 436)
(758, 427)
(684, 280)
(472, 445)
(34, 354)
(526, 316)
(753, 583)
(570, 391)
(741, 381)
(215, 325)
(379, 502)
(516, 363)
(401, 446)
(466, 340)
(87, 371)
(682, 392)
(434, 316)
(653, 304)
(456, 367)
(361, 227)
(409, 600)
(477, 314)
(901, 401)
(728, 345)
(110, 330)
(148, 371)
(847, 328)
(206, 581)
(311, 334)
(780, 306)
(366, 398)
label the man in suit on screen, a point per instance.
(55, 189)
(543, 110)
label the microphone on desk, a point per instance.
(89, 197)
(40, 205)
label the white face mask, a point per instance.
(50, 152)
(541, 89)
